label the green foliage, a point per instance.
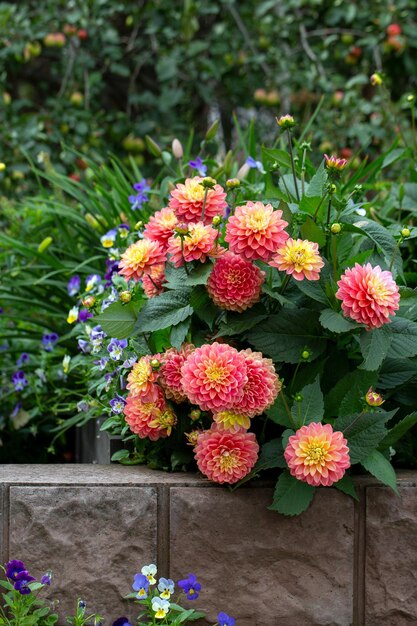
(291, 496)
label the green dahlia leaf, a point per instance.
(168, 309)
(374, 347)
(381, 468)
(291, 496)
(311, 407)
(335, 322)
(119, 319)
(364, 432)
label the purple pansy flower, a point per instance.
(255, 164)
(117, 404)
(74, 285)
(84, 346)
(24, 358)
(123, 230)
(47, 578)
(129, 362)
(82, 406)
(84, 315)
(22, 581)
(19, 380)
(190, 586)
(199, 166)
(97, 335)
(142, 189)
(49, 340)
(92, 281)
(13, 568)
(101, 363)
(141, 585)
(116, 347)
(122, 621)
(112, 267)
(225, 620)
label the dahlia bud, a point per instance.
(306, 145)
(335, 228)
(91, 220)
(2, 167)
(406, 232)
(411, 98)
(89, 301)
(232, 183)
(286, 122)
(298, 397)
(335, 164)
(208, 182)
(181, 229)
(372, 398)
(376, 79)
(305, 354)
(138, 225)
(192, 437)
(177, 149)
(125, 296)
(243, 172)
(6, 98)
(155, 364)
(216, 221)
(195, 414)
(332, 189)
(211, 132)
(153, 146)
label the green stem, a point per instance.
(285, 283)
(334, 256)
(319, 206)
(293, 164)
(329, 206)
(413, 128)
(394, 254)
(204, 203)
(303, 172)
(294, 376)
(287, 410)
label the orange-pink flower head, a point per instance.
(335, 164)
(161, 226)
(187, 201)
(199, 243)
(299, 258)
(235, 284)
(140, 258)
(153, 283)
(170, 371)
(142, 377)
(213, 376)
(256, 231)
(224, 456)
(149, 417)
(369, 295)
(317, 455)
(231, 420)
(262, 386)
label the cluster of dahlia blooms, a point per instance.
(231, 386)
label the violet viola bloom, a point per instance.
(19, 380)
(123, 230)
(199, 166)
(84, 315)
(142, 189)
(13, 568)
(255, 164)
(46, 578)
(129, 362)
(122, 621)
(22, 581)
(190, 586)
(112, 267)
(73, 286)
(92, 281)
(141, 585)
(225, 620)
(24, 358)
(49, 340)
(116, 347)
(101, 363)
(84, 346)
(117, 404)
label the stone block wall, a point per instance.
(341, 563)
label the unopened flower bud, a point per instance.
(2, 167)
(335, 164)
(195, 414)
(306, 145)
(217, 220)
(177, 149)
(372, 398)
(89, 301)
(332, 188)
(298, 397)
(406, 232)
(125, 296)
(335, 228)
(192, 437)
(155, 364)
(153, 146)
(181, 229)
(376, 79)
(305, 354)
(211, 132)
(243, 172)
(45, 243)
(232, 183)
(208, 182)
(286, 122)
(411, 98)
(138, 225)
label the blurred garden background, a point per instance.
(92, 95)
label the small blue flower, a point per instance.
(47, 578)
(19, 380)
(255, 164)
(74, 285)
(225, 620)
(84, 346)
(117, 404)
(107, 240)
(22, 580)
(129, 362)
(142, 189)
(141, 585)
(102, 363)
(199, 166)
(97, 336)
(166, 586)
(92, 281)
(116, 347)
(82, 406)
(190, 586)
(24, 358)
(123, 230)
(49, 340)
(122, 621)
(84, 315)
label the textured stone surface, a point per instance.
(263, 568)
(391, 557)
(93, 538)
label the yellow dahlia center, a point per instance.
(196, 235)
(230, 419)
(299, 256)
(315, 452)
(165, 420)
(137, 255)
(228, 460)
(378, 289)
(195, 191)
(258, 220)
(140, 373)
(215, 372)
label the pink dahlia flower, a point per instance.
(224, 456)
(256, 231)
(152, 418)
(187, 201)
(235, 284)
(153, 283)
(262, 386)
(368, 294)
(317, 455)
(199, 243)
(140, 258)
(170, 372)
(141, 378)
(299, 258)
(213, 376)
(161, 226)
